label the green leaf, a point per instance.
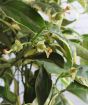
(52, 10)
(79, 90)
(9, 96)
(5, 92)
(85, 45)
(82, 75)
(52, 28)
(29, 88)
(23, 14)
(83, 71)
(59, 99)
(5, 65)
(70, 1)
(33, 103)
(81, 51)
(71, 35)
(54, 57)
(82, 2)
(8, 75)
(82, 81)
(66, 22)
(85, 40)
(63, 43)
(4, 39)
(52, 67)
(43, 86)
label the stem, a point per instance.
(52, 95)
(22, 75)
(38, 34)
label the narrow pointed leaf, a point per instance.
(23, 14)
(43, 86)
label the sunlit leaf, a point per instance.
(82, 81)
(82, 2)
(67, 49)
(59, 99)
(82, 75)
(79, 90)
(81, 51)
